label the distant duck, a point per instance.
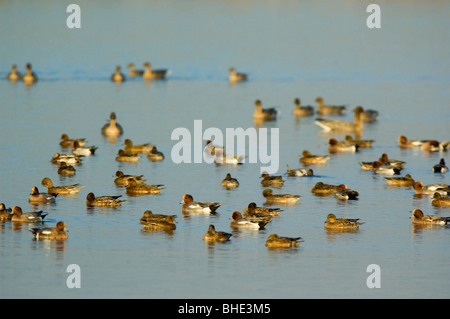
(335, 146)
(29, 77)
(323, 109)
(118, 76)
(155, 155)
(308, 158)
(112, 129)
(67, 142)
(430, 189)
(14, 75)
(6, 214)
(122, 179)
(192, 207)
(300, 111)
(404, 142)
(280, 198)
(418, 218)
(133, 72)
(150, 74)
(128, 158)
(400, 181)
(268, 180)
(359, 143)
(368, 116)
(299, 171)
(334, 223)
(61, 190)
(59, 233)
(221, 158)
(41, 198)
(211, 149)
(235, 77)
(275, 241)
(342, 126)
(103, 201)
(143, 189)
(131, 148)
(216, 236)
(229, 182)
(326, 189)
(239, 222)
(67, 158)
(30, 218)
(66, 169)
(253, 209)
(440, 168)
(346, 194)
(439, 200)
(79, 150)
(385, 168)
(261, 114)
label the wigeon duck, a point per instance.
(341, 223)
(67, 158)
(133, 72)
(216, 236)
(346, 194)
(65, 169)
(251, 213)
(280, 198)
(229, 182)
(329, 109)
(29, 77)
(275, 241)
(62, 190)
(359, 143)
(79, 150)
(66, 141)
(400, 181)
(440, 168)
(335, 146)
(300, 111)
(103, 201)
(268, 180)
(430, 189)
(368, 116)
(58, 233)
(122, 179)
(150, 217)
(326, 189)
(117, 76)
(235, 77)
(253, 210)
(418, 218)
(124, 157)
(342, 126)
(385, 168)
(239, 222)
(439, 200)
(112, 129)
(150, 74)
(14, 75)
(299, 171)
(155, 155)
(31, 217)
(431, 146)
(131, 148)
(261, 114)
(41, 198)
(308, 158)
(192, 207)
(393, 162)
(160, 225)
(404, 142)
(144, 189)
(221, 158)
(210, 148)
(5, 213)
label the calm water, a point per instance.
(290, 49)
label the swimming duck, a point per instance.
(31, 217)
(346, 194)
(280, 198)
(329, 109)
(122, 179)
(131, 148)
(300, 111)
(430, 189)
(14, 75)
(112, 129)
(400, 181)
(5, 213)
(124, 157)
(229, 182)
(326, 189)
(210, 148)
(439, 200)
(117, 76)
(389, 161)
(341, 223)
(65, 169)
(359, 143)
(67, 158)
(440, 168)
(79, 150)
(275, 241)
(41, 198)
(216, 236)
(299, 171)
(155, 155)
(235, 77)
(268, 180)
(342, 126)
(221, 158)
(431, 146)
(261, 114)
(342, 146)
(150, 217)
(58, 233)
(368, 116)
(419, 218)
(405, 143)
(150, 74)
(385, 168)
(253, 210)
(103, 201)
(62, 190)
(191, 207)
(239, 222)
(144, 189)
(160, 225)
(29, 77)
(133, 72)
(308, 158)
(66, 141)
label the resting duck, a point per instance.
(308, 158)
(143, 189)
(112, 129)
(117, 76)
(267, 180)
(300, 111)
(275, 241)
(229, 182)
(133, 72)
(216, 236)
(235, 77)
(61, 190)
(341, 223)
(103, 201)
(41, 198)
(29, 218)
(150, 74)
(280, 198)
(299, 171)
(239, 222)
(261, 114)
(192, 207)
(58, 233)
(329, 109)
(418, 218)
(122, 179)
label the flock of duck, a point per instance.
(252, 217)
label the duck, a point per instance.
(329, 109)
(229, 182)
(103, 201)
(150, 74)
(261, 114)
(439, 200)
(67, 142)
(300, 111)
(418, 218)
(144, 189)
(404, 142)
(384, 158)
(210, 148)
(341, 223)
(29, 77)
(346, 194)
(268, 180)
(148, 217)
(5, 213)
(275, 241)
(251, 215)
(407, 180)
(342, 146)
(122, 179)
(430, 189)
(367, 115)
(239, 223)
(359, 143)
(14, 75)
(67, 158)
(155, 155)
(212, 235)
(65, 169)
(134, 149)
(342, 126)
(299, 171)
(253, 210)
(221, 158)
(193, 207)
(118, 76)
(30, 218)
(133, 72)
(160, 225)
(124, 157)
(61, 190)
(112, 129)
(385, 168)
(440, 167)
(41, 198)
(235, 77)
(431, 146)
(79, 150)
(58, 233)
(326, 189)
(308, 158)
(280, 198)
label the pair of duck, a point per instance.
(365, 115)
(147, 74)
(340, 191)
(28, 78)
(424, 145)
(384, 165)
